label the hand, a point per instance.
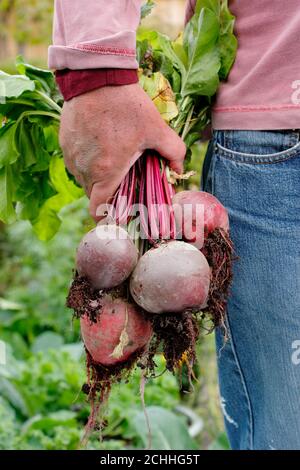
(103, 132)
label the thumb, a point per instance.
(170, 146)
(101, 197)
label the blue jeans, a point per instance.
(256, 175)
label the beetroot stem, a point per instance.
(150, 198)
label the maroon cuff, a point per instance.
(76, 82)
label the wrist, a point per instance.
(76, 82)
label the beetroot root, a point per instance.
(171, 278)
(198, 214)
(119, 331)
(106, 256)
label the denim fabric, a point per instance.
(256, 175)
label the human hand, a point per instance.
(103, 132)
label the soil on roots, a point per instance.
(100, 380)
(84, 300)
(219, 252)
(176, 334)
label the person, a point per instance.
(252, 166)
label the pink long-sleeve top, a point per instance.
(263, 88)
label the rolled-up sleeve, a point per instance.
(94, 34)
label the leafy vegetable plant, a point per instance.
(193, 65)
(34, 184)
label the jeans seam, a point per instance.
(244, 385)
(250, 159)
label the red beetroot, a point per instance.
(106, 256)
(171, 278)
(197, 214)
(120, 331)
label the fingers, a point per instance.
(170, 146)
(102, 191)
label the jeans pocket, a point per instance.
(257, 147)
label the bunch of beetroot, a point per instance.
(146, 275)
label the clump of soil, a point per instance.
(177, 335)
(85, 300)
(219, 252)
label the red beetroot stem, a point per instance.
(142, 200)
(169, 191)
(151, 199)
(148, 178)
(164, 226)
(128, 198)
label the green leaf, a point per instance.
(161, 42)
(191, 139)
(31, 146)
(201, 44)
(28, 206)
(25, 144)
(176, 81)
(141, 49)
(47, 223)
(75, 350)
(47, 340)
(15, 340)
(42, 157)
(213, 5)
(43, 78)
(10, 391)
(227, 41)
(179, 49)
(27, 186)
(159, 90)
(13, 86)
(8, 150)
(9, 305)
(7, 211)
(61, 181)
(147, 8)
(46, 423)
(51, 137)
(168, 431)
(12, 368)
(8, 319)
(162, 64)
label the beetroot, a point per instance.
(173, 285)
(106, 256)
(171, 278)
(198, 214)
(120, 331)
